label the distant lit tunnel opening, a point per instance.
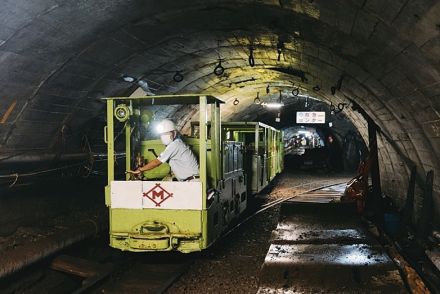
(317, 136)
(321, 148)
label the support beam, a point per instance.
(374, 157)
(408, 209)
(425, 223)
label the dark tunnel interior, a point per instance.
(361, 64)
(60, 58)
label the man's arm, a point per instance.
(152, 164)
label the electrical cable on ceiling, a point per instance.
(14, 175)
(332, 108)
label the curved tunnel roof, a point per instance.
(58, 58)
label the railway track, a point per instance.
(297, 191)
(70, 272)
(320, 245)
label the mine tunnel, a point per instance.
(336, 102)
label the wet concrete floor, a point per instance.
(320, 245)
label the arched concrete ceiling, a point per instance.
(59, 57)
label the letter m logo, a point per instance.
(157, 194)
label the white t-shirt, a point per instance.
(181, 159)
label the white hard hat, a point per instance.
(165, 126)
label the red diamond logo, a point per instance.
(158, 194)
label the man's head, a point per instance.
(167, 131)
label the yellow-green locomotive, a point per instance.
(153, 212)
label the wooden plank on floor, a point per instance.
(77, 266)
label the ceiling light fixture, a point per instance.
(140, 82)
(257, 99)
(236, 102)
(178, 77)
(280, 47)
(274, 105)
(128, 79)
(332, 108)
(219, 69)
(295, 91)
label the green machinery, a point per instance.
(263, 153)
(263, 150)
(155, 214)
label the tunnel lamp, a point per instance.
(295, 91)
(178, 77)
(273, 105)
(332, 108)
(330, 124)
(128, 79)
(236, 102)
(257, 99)
(280, 47)
(219, 69)
(303, 132)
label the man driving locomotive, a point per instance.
(179, 156)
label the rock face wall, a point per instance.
(59, 57)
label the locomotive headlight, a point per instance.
(122, 112)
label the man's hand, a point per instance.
(152, 164)
(133, 172)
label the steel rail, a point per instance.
(278, 201)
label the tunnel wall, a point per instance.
(58, 58)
